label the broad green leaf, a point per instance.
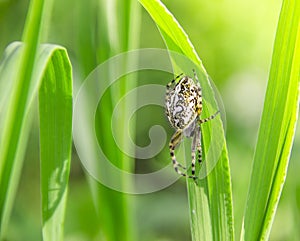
(55, 112)
(211, 199)
(277, 127)
(53, 73)
(23, 68)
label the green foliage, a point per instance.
(24, 68)
(53, 73)
(100, 30)
(55, 112)
(15, 110)
(277, 127)
(114, 209)
(211, 200)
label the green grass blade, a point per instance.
(117, 219)
(10, 163)
(113, 32)
(55, 111)
(53, 71)
(211, 200)
(14, 118)
(22, 70)
(277, 127)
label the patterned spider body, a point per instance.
(183, 108)
(184, 104)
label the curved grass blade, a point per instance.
(211, 200)
(12, 145)
(22, 70)
(277, 127)
(53, 73)
(55, 112)
(18, 71)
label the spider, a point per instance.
(183, 109)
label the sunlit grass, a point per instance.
(277, 127)
(210, 200)
(274, 141)
(25, 67)
(104, 29)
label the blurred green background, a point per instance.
(234, 40)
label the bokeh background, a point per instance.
(234, 39)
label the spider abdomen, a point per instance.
(183, 103)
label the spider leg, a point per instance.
(199, 101)
(208, 118)
(199, 146)
(195, 145)
(195, 75)
(184, 168)
(175, 140)
(173, 81)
